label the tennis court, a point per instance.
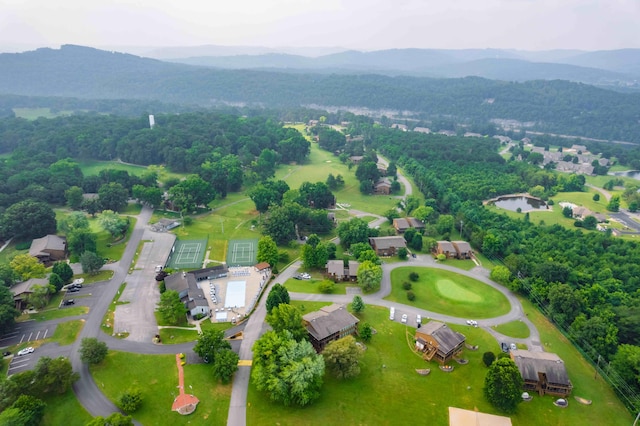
(242, 252)
(187, 254)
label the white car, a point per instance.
(418, 319)
(26, 351)
(472, 322)
(404, 319)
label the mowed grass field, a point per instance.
(516, 329)
(448, 293)
(157, 377)
(388, 390)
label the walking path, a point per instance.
(183, 403)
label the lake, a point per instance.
(514, 203)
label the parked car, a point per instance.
(305, 276)
(73, 290)
(404, 319)
(26, 351)
(472, 322)
(392, 313)
(505, 347)
(7, 353)
(418, 319)
(513, 347)
(297, 277)
(76, 285)
(159, 268)
(68, 302)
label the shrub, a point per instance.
(406, 285)
(402, 253)
(326, 287)
(130, 400)
(411, 296)
(441, 257)
(488, 358)
(414, 276)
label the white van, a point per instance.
(392, 313)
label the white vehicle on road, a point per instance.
(26, 351)
(418, 319)
(404, 319)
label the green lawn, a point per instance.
(11, 251)
(67, 332)
(157, 377)
(172, 336)
(448, 293)
(94, 167)
(389, 383)
(64, 410)
(108, 247)
(388, 391)
(55, 313)
(516, 329)
(33, 113)
(311, 286)
(222, 326)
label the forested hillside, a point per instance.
(554, 106)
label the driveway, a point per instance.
(136, 317)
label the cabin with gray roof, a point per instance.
(438, 342)
(21, 291)
(337, 271)
(328, 324)
(446, 248)
(387, 246)
(49, 249)
(542, 372)
(463, 249)
(186, 284)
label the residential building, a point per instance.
(382, 186)
(49, 249)
(188, 287)
(21, 291)
(328, 324)
(446, 248)
(337, 271)
(463, 249)
(387, 246)
(438, 342)
(542, 372)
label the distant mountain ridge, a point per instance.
(554, 106)
(608, 68)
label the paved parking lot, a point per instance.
(27, 362)
(27, 332)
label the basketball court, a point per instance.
(242, 252)
(187, 254)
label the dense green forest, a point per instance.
(553, 106)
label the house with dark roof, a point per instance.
(415, 223)
(542, 372)
(49, 249)
(328, 324)
(382, 186)
(188, 288)
(401, 224)
(446, 248)
(164, 225)
(463, 249)
(438, 342)
(21, 291)
(387, 246)
(337, 271)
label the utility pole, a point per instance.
(461, 223)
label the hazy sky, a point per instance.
(359, 24)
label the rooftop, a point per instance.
(329, 320)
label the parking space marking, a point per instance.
(45, 333)
(30, 335)
(38, 335)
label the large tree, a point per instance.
(27, 220)
(369, 275)
(26, 266)
(210, 343)
(91, 262)
(63, 270)
(342, 357)
(114, 419)
(267, 251)
(287, 317)
(171, 307)
(191, 193)
(354, 231)
(81, 240)
(503, 385)
(277, 295)
(113, 196)
(8, 312)
(54, 375)
(93, 351)
(225, 365)
(113, 223)
(290, 371)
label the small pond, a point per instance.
(635, 174)
(514, 203)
